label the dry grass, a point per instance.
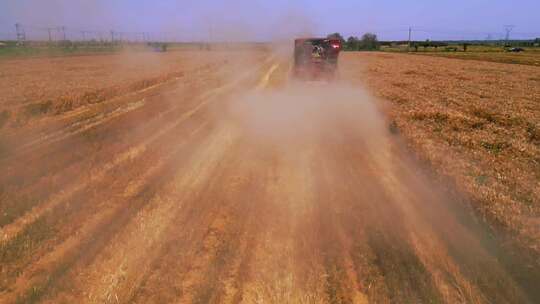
(33, 87)
(531, 55)
(477, 123)
(526, 58)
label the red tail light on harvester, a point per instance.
(335, 44)
(316, 58)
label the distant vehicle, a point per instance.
(158, 47)
(515, 50)
(316, 58)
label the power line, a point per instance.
(508, 29)
(410, 35)
(21, 34)
(49, 29)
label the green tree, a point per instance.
(352, 44)
(336, 36)
(369, 41)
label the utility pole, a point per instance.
(112, 36)
(84, 35)
(508, 29)
(62, 30)
(21, 35)
(211, 36)
(49, 33)
(409, 44)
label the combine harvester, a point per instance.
(316, 59)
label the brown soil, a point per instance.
(475, 122)
(35, 87)
(236, 184)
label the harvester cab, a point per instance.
(316, 58)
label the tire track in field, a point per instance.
(169, 261)
(95, 174)
(96, 231)
(80, 125)
(84, 196)
(129, 163)
(214, 274)
(203, 100)
(410, 222)
(59, 165)
(236, 81)
(11, 230)
(205, 261)
(157, 100)
(434, 241)
(126, 255)
(129, 191)
(59, 270)
(284, 267)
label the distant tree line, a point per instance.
(370, 42)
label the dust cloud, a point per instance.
(336, 134)
(300, 111)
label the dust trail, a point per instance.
(326, 127)
(6, 233)
(261, 190)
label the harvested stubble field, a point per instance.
(212, 177)
(477, 123)
(529, 57)
(36, 87)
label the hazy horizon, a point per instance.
(263, 20)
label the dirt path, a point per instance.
(244, 189)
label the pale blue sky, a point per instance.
(264, 20)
